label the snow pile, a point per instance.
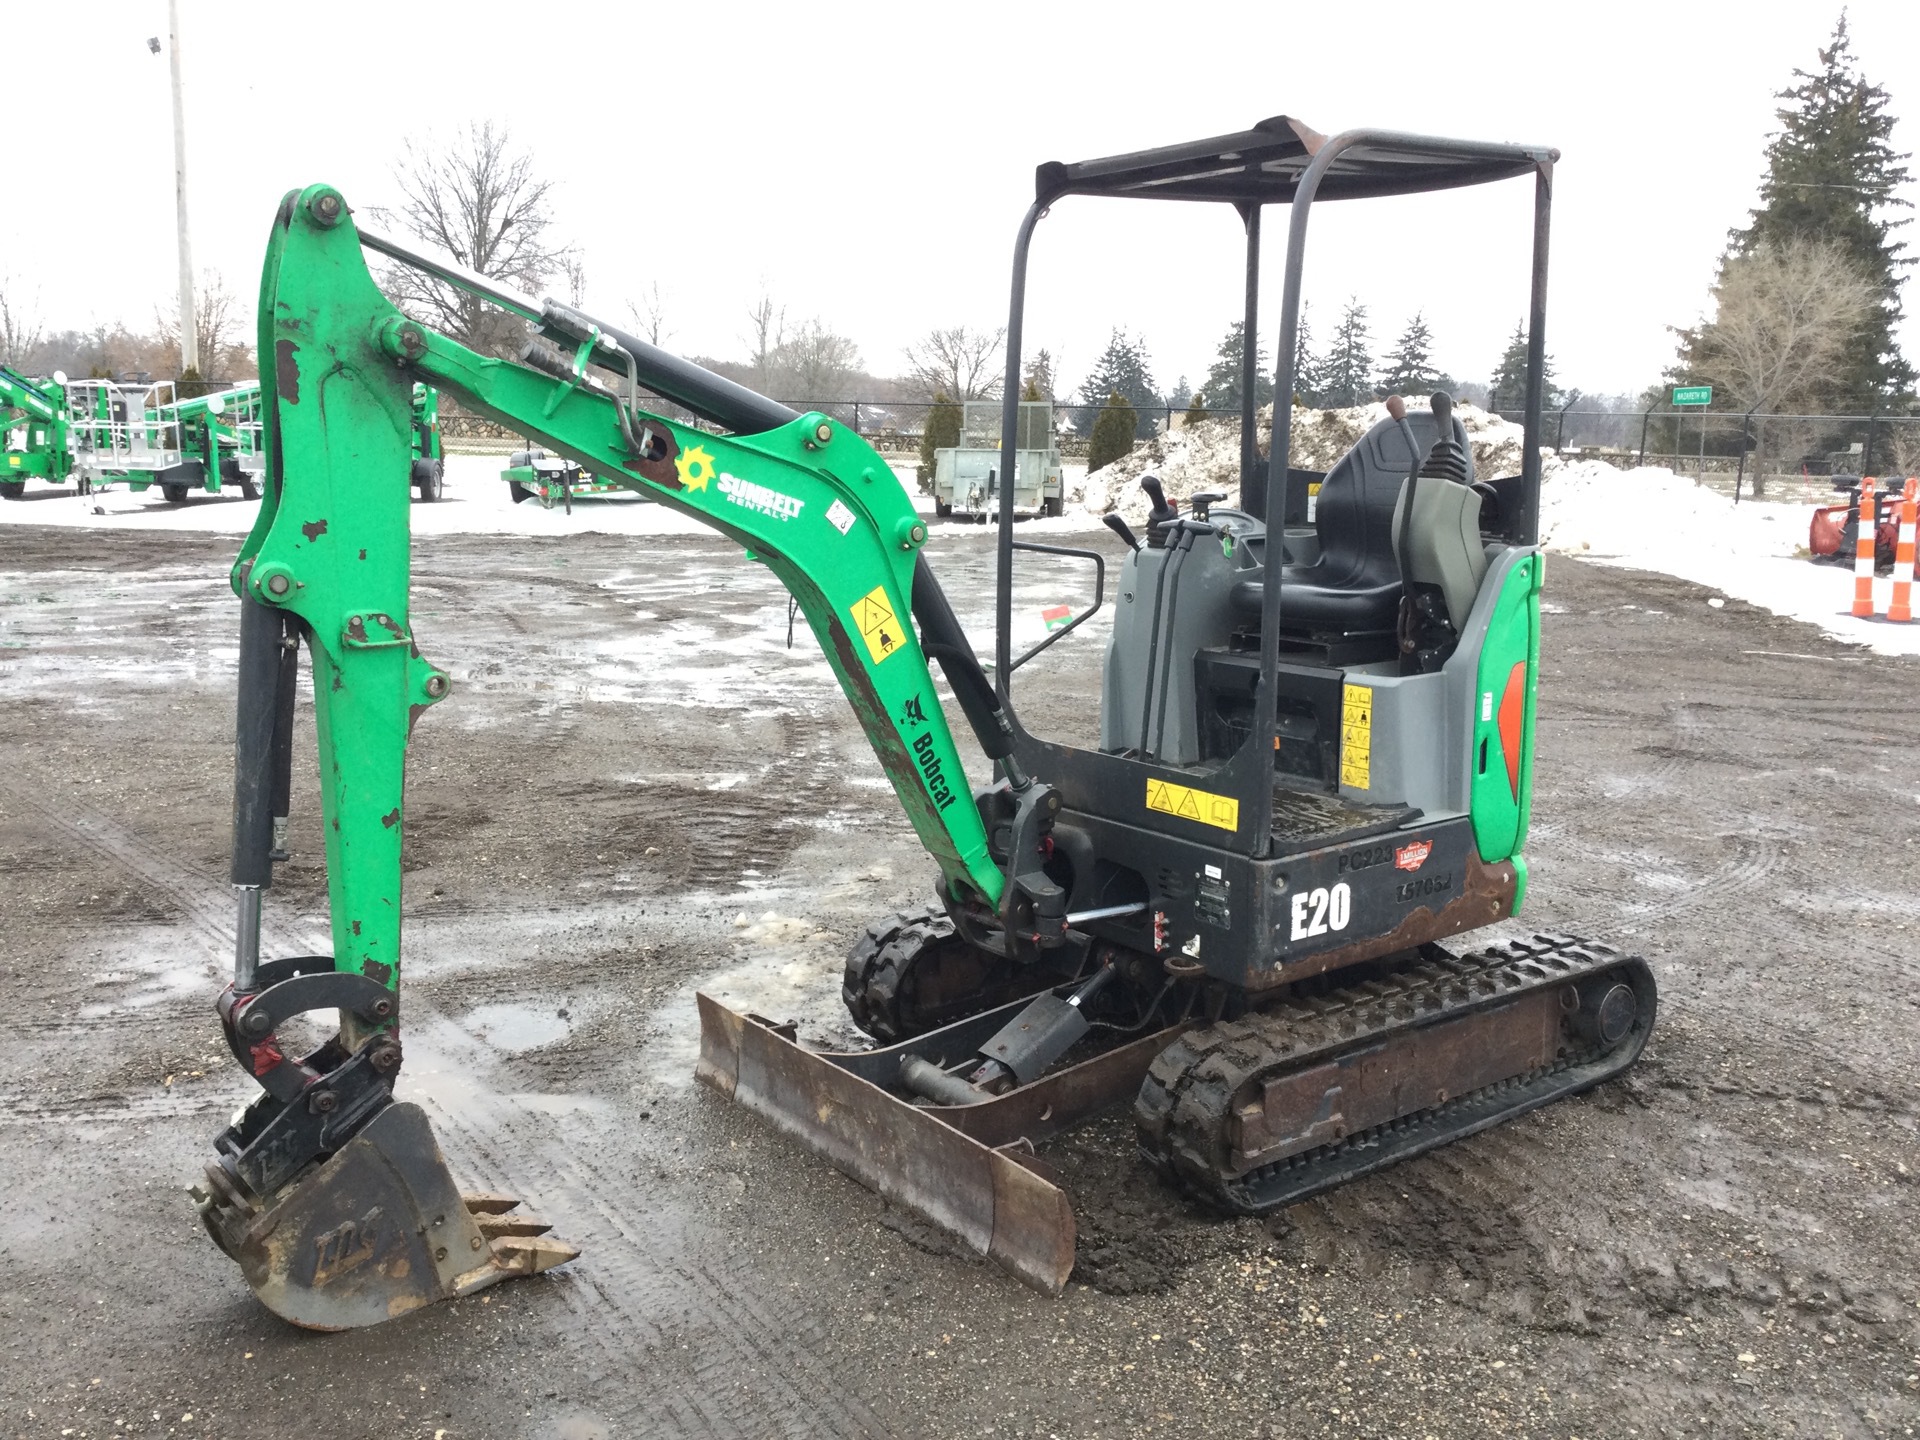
(1648, 519)
(1206, 456)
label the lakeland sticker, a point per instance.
(1222, 811)
(749, 496)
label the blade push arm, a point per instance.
(330, 551)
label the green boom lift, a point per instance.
(33, 425)
(1314, 766)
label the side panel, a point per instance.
(1501, 761)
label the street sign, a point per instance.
(1693, 394)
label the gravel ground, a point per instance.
(636, 789)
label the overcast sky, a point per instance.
(869, 163)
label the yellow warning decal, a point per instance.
(1356, 737)
(1191, 804)
(873, 617)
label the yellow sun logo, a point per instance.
(695, 467)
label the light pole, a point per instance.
(189, 332)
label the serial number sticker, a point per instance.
(873, 617)
(1356, 736)
(1423, 887)
(1222, 811)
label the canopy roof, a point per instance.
(1263, 165)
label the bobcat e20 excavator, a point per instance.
(1314, 765)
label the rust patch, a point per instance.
(314, 529)
(286, 371)
(376, 970)
(356, 927)
(1486, 896)
(391, 818)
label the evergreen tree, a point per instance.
(1410, 369)
(1347, 378)
(1223, 380)
(1122, 370)
(1032, 391)
(941, 432)
(1112, 432)
(1833, 174)
(1039, 375)
(1508, 388)
(1307, 367)
(1196, 408)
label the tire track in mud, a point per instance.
(640, 1285)
(741, 1334)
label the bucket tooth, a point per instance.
(482, 1203)
(516, 1255)
(496, 1226)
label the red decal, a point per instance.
(1513, 710)
(1412, 855)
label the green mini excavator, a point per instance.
(1313, 767)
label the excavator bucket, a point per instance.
(969, 1170)
(374, 1231)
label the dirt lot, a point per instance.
(1721, 1244)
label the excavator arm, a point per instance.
(325, 1186)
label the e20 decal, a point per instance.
(1322, 911)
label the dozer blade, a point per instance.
(969, 1170)
(376, 1230)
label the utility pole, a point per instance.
(189, 332)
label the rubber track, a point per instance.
(1181, 1112)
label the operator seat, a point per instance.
(1353, 587)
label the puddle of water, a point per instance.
(517, 1028)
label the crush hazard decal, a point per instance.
(1222, 811)
(1356, 736)
(873, 617)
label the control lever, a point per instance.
(1162, 514)
(1125, 531)
(1199, 505)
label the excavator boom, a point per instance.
(325, 1184)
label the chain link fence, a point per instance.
(1761, 453)
(1756, 453)
(890, 426)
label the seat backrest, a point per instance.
(1360, 495)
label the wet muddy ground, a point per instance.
(637, 789)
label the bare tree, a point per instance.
(573, 269)
(221, 325)
(766, 333)
(20, 327)
(961, 363)
(650, 315)
(1785, 314)
(813, 365)
(478, 199)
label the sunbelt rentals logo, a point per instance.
(758, 497)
